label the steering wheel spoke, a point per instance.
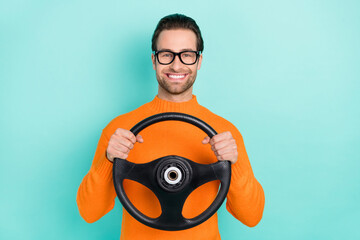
(141, 173)
(203, 173)
(171, 206)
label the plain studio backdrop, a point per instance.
(285, 73)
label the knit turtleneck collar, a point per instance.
(159, 105)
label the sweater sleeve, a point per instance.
(245, 199)
(96, 194)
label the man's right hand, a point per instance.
(120, 144)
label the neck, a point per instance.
(182, 97)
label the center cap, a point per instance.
(173, 173)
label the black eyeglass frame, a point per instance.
(156, 53)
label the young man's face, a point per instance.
(176, 78)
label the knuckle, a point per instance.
(129, 134)
(114, 139)
(111, 141)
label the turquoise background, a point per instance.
(286, 73)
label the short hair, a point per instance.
(177, 21)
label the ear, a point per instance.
(199, 62)
(153, 60)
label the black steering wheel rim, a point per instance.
(171, 202)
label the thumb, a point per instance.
(206, 140)
(139, 138)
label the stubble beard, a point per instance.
(176, 88)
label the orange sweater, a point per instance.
(96, 194)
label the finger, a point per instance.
(224, 144)
(113, 153)
(118, 154)
(126, 142)
(229, 157)
(220, 137)
(139, 138)
(129, 135)
(226, 150)
(125, 134)
(206, 140)
(109, 156)
(121, 148)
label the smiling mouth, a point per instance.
(173, 76)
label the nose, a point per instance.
(176, 64)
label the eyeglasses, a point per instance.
(166, 57)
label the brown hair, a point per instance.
(177, 21)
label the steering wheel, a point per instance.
(171, 178)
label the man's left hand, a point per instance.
(224, 146)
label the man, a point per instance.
(177, 46)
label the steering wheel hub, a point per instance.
(173, 173)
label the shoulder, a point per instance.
(126, 120)
(220, 124)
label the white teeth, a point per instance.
(176, 76)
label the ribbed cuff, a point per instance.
(104, 169)
(239, 176)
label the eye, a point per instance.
(166, 54)
(188, 55)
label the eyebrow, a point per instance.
(181, 50)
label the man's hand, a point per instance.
(120, 144)
(224, 146)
